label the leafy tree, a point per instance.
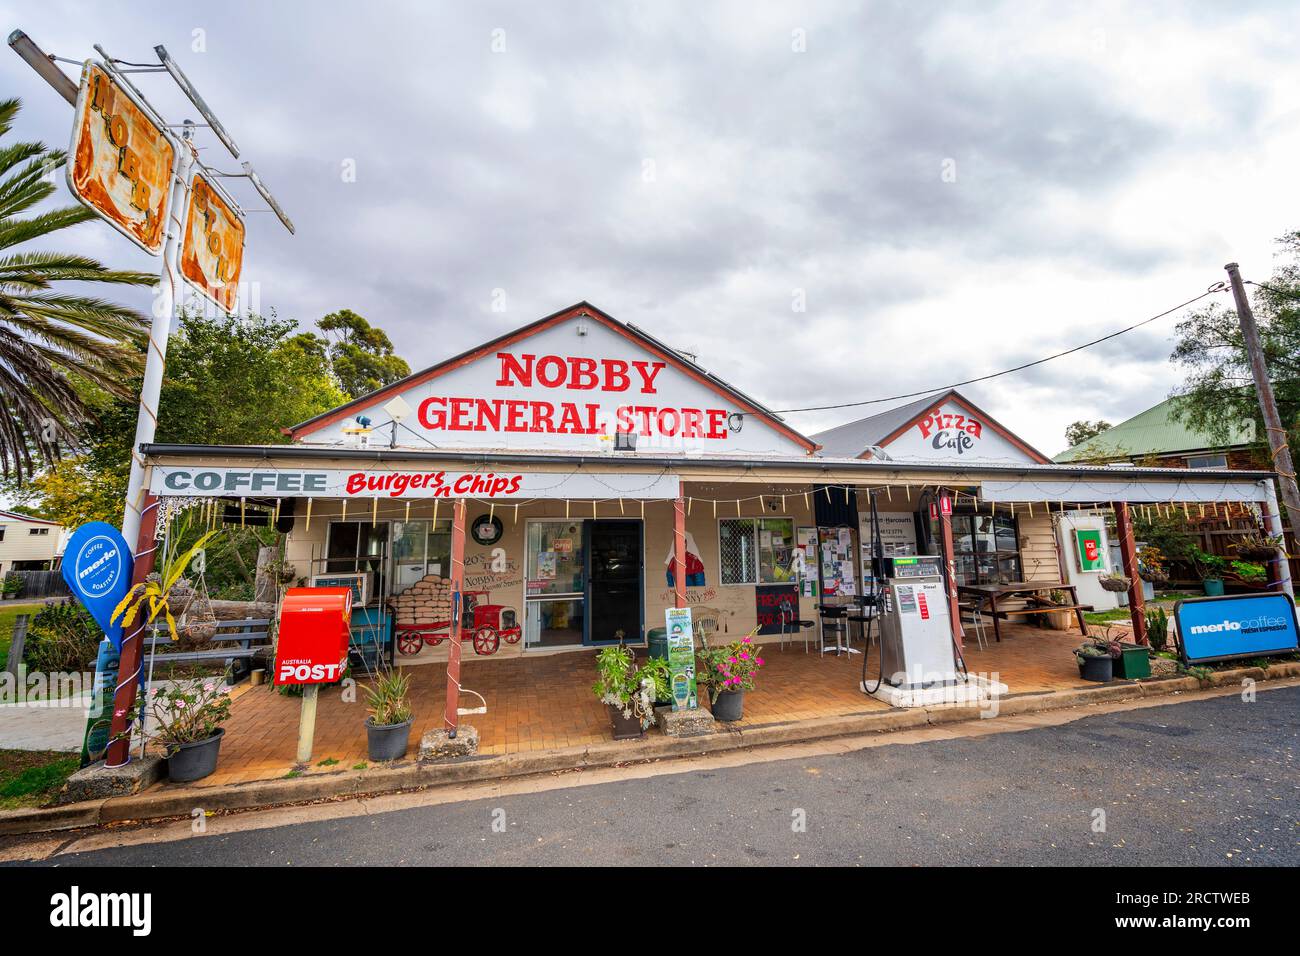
(1083, 430)
(52, 338)
(360, 354)
(229, 381)
(1219, 393)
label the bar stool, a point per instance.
(861, 619)
(790, 623)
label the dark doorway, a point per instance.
(615, 584)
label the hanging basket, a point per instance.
(198, 620)
(1158, 577)
(1115, 583)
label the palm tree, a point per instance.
(53, 343)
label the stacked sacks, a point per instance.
(427, 601)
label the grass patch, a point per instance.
(31, 778)
(9, 611)
(327, 762)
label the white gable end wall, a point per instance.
(954, 434)
(558, 389)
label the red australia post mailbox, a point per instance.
(312, 647)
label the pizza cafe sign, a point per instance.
(405, 484)
(950, 431)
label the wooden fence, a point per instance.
(41, 584)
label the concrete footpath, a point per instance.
(173, 802)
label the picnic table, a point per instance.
(991, 594)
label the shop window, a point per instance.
(420, 548)
(38, 530)
(755, 550)
(354, 546)
(555, 558)
(986, 548)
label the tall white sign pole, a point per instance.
(164, 314)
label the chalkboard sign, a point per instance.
(768, 599)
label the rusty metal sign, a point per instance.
(120, 162)
(212, 255)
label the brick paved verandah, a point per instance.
(541, 702)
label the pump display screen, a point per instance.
(912, 567)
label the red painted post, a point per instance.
(118, 753)
(679, 552)
(449, 716)
(949, 561)
(1128, 555)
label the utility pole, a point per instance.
(1282, 463)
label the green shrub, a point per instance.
(62, 637)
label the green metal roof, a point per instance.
(1153, 432)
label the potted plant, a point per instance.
(1211, 568)
(1152, 565)
(1248, 572)
(187, 718)
(726, 672)
(1056, 620)
(388, 706)
(627, 690)
(1157, 628)
(1257, 547)
(11, 586)
(1116, 583)
(1095, 662)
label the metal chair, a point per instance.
(976, 621)
(837, 617)
(790, 622)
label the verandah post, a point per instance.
(128, 669)
(450, 717)
(949, 562)
(679, 552)
(1128, 555)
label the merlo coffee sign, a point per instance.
(120, 160)
(212, 255)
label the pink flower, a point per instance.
(758, 661)
(744, 640)
(744, 656)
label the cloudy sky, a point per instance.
(949, 189)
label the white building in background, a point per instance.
(29, 544)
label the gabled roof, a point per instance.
(17, 516)
(853, 439)
(584, 308)
(1154, 432)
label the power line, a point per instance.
(1217, 287)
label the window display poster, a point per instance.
(546, 565)
(681, 657)
(806, 545)
(563, 546)
(768, 602)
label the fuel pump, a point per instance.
(920, 661)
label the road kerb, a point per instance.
(347, 784)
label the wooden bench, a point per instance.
(250, 634)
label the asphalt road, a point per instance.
(1206, 782)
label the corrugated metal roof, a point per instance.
(1153, 432)
(852, 439)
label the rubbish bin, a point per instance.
(657, 639)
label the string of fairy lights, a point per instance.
(213, 511)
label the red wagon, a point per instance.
(486, 624)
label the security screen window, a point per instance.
(755, 550)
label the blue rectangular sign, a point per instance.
(1240, 625)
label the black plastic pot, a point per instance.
(729, 706)
(186, 762)
(625, 728)
(1099, 669)
(387, 741)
